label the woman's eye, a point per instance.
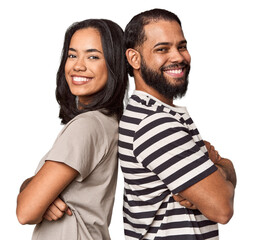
(71, 56)
(93, 57)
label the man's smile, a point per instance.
(175, 73)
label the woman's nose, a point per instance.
(80, 66)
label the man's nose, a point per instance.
(176, 56)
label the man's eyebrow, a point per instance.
(182, 42)
(169, 43)
(87, 51)
(162, 43)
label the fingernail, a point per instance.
(69, 212)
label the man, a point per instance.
(176, 185)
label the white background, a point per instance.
(219, 99)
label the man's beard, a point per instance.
(159, 82)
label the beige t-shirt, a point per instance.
(88, 143)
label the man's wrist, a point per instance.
(222, 171)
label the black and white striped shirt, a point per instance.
(161, 153)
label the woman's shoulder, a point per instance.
(94, 120)
(97, 117)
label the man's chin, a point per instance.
(176, 82)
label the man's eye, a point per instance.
(182, 48)
(162, 50)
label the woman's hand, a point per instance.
(57, 210)
(42, 191)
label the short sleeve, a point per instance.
(81, 145)
(164, 145)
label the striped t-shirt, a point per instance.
(161, 153)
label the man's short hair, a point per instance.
(134, 31)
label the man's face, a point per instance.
(165, 60)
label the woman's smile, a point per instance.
(85, 69)
(77, 80)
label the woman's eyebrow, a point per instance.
(92, 50)
(87, 50)
(72, 49)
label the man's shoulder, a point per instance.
(144, 109)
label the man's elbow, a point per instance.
(224, 216)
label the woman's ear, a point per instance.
(133, 58)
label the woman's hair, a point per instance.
(134, 31)
(110, 99)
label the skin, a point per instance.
(56, 210)
(42, 190)
(223, 166)
(38, 196)
(86, 61)
(169, 48)
(165, 45)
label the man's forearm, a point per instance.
(225, 165)
(229, 172)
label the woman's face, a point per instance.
(85, 69)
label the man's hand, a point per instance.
(224, 165)
(57, 210)
(183, 202)
(213, 154)
(215, 157)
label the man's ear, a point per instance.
(134, 58)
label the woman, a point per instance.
(81, 167)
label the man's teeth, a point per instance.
(175, 71)
(81, 79)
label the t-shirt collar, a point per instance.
(142, 94)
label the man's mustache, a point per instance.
(174, 66)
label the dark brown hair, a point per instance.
(110, 99)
